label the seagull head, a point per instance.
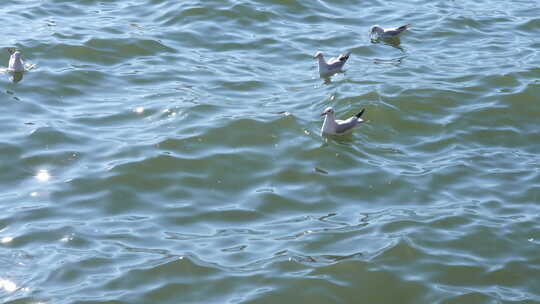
(16, 55)
(328, 110)
(376, 30)
(319, 54)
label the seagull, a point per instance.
(333, 65)
(339, 127)
(389, 32)
(16, 63)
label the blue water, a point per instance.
(170, 152)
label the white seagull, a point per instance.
(339, 127)
(16, 63)
(388, 32)
(333, 65)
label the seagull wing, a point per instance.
(396, 30)
(345, 126)
(340, 58)
(338, 62)
(333, 60)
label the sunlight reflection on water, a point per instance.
(43, 175)
(8, 285)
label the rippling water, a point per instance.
(169, 152)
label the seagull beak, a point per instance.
(323, 113)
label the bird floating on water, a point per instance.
(389, 32)
(16, 63)
(333, 65)
(16, 66)
(339, 127)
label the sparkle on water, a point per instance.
(6, 239)
(8, 285)
(43, 175)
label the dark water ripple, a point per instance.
(166, 152)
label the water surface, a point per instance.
(169, 152)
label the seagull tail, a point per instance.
(404, 27)
(360, 114)
(345, 57)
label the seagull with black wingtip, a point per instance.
(339, 127)
(389, 32)
(333, 65)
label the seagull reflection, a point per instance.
(16, 76)
(394, 42)
(393, 61)
(328, 78)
